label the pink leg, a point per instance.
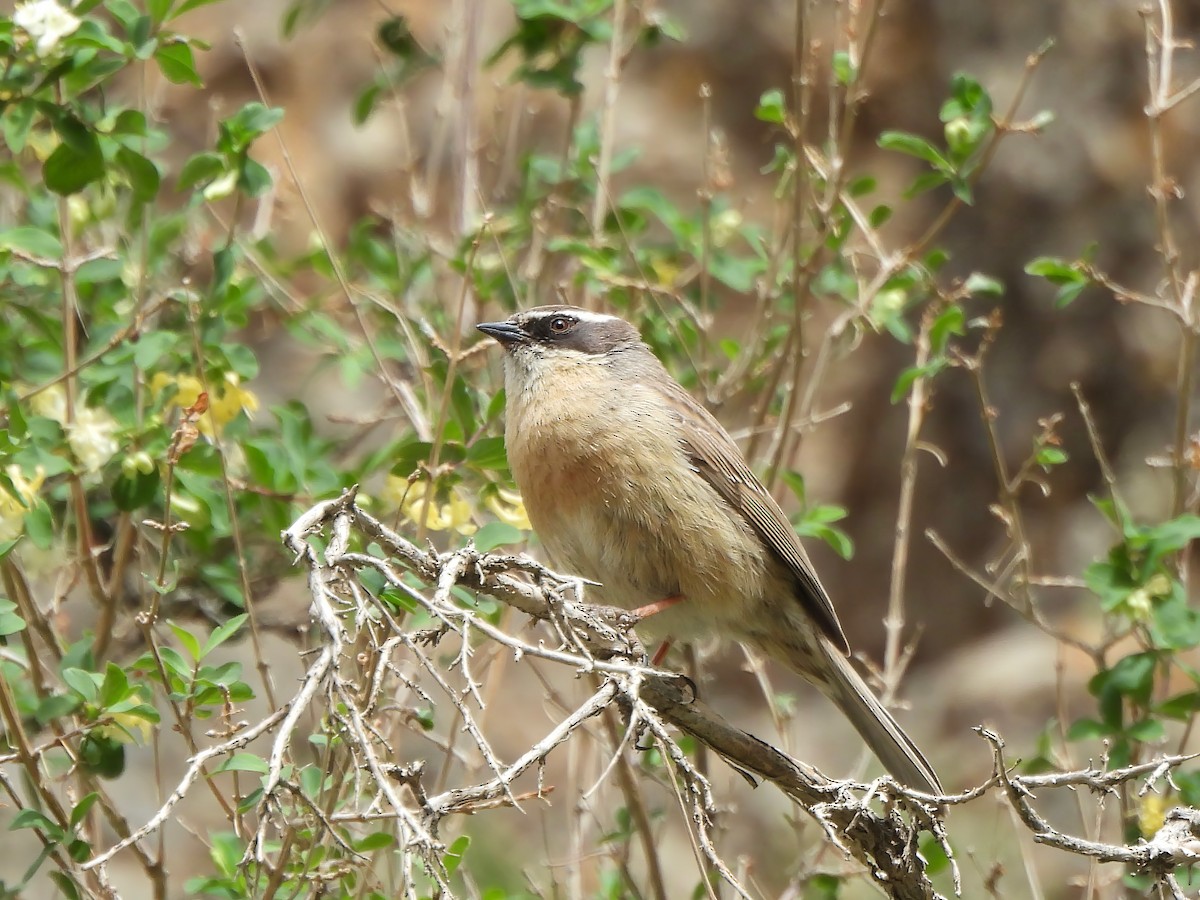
(650, 609)
(661, 653)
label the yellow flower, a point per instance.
(14, 506)
(395, 491)
(454, 515)
(227, 399)
(125, 726)
(1139, 605)
(508, 507)
(1151, 814)
(724, 227)
(665, 272)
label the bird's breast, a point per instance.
(613, 498)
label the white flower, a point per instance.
(92, 437)
(51, 403)
(46, 21)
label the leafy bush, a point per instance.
(144, 481)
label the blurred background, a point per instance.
(1083, 181)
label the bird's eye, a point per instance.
(561, 324)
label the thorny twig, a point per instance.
(878, 824)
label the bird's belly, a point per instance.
(670, 536)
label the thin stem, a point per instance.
(894, 622)
(608, 110)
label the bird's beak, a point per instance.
(505, 332)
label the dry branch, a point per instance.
(363, 646)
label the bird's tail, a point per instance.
(875, 724)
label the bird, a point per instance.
(630, 483)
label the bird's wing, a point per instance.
(715, 456)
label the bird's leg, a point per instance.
(661, 653)
(650, 609)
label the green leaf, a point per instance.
(950, 320)
(33, 818)
(1069, 276)
(1051, 456)
(1054, 270)
(221, 634)
(10, 621)
(56, 706)
(142, 173)
(177, 63)
(82, 683)
(159, 9)
(771, 107)
(909, 376)
(1087, 729)
(926, 181)
(248, 123)
(115, 686)
(189, 641)
(226, 850)
(862, 185)
(130, 122)
(75, 133)
(17, 120)
(1066, 294)
(843, 67)
(254, 178)
(244, 762)
(1174, 534)
(1176, 623)
(1131, 677)
(488, 453)
(135, 490)
(69, 169)
(32, 241)
(365, 103)
(311, 779)
(824, 887)
(1147, 731)
(934, 855)
(65, 883)
(203, 167)
(142, 38)
(978, 283)
(101, 755)
(379, 840)
(497, 534)
(903, 142)
(39, 525)
(454, 853)
(1181, 706)
(189, 5)
(81, 808)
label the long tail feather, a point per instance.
(883, 734)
